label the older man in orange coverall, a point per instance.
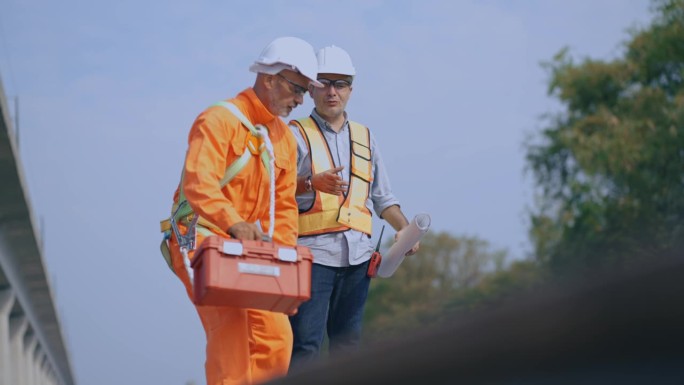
(246, 346)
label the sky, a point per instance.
(107, 92)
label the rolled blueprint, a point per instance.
(412, 234)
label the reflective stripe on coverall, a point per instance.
(243, 345)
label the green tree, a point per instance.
(610, 165)
(418, 292)
(521, 275)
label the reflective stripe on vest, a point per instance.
(330, 213)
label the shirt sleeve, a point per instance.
(205, 164)
(286, 212)
(302, 148)
(381, 191)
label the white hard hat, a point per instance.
(290, 53)
(335, 60)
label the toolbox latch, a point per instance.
(287, 254)
(232, 248)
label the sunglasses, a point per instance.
(339, 84)
(298, 90)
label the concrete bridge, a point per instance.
(32, 348)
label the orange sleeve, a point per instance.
(205, 164)
(286, 212)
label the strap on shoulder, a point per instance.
(238, 114)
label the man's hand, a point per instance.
(246, 231)
(415, 247)
(329, 182)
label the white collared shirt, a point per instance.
(350, 247)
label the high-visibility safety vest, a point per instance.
(334, 213)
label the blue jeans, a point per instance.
(338, 297)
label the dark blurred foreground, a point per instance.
(625, 328)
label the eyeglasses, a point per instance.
(339, 84)
(298, 90)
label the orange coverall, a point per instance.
(244, 346)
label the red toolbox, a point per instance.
(251, 274)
